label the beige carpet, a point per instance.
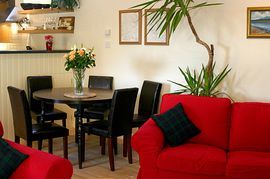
(96, 166)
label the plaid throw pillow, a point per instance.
(10, 159)
(176, 126)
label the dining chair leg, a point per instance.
(111, 155)
(100, 140)
(65, 147)
(64, 122)
(83, 146)
(39, 144)
(114, 141)
(29, 143)
(129, 148)
(103, 142)
(50, 145)
(17, 139)
(124, 146)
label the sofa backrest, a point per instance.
(210, 115)
(250, 127)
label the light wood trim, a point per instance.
(249, 32)
(42, 31)
(139, 11)
(44, 11)
(146, 42)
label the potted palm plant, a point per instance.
(169, 15)
(69, 4)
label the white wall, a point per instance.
(224, 26)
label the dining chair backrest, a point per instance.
(121, 112)
(35, 83)
(100, 82)
(21, 113)
(149, 98)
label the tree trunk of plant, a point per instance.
(210, 49)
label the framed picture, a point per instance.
(258, 22)
(130, 26)
(66, 23)
(151, 34)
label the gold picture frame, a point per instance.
(130, 26)
(151, 36)
(258, 22)
(66, 23)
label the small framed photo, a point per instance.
(258, 22)
(130, 26)
(151, 34)
(66, 23)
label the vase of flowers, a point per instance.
(79, 60)
(78, 76)
(49, 42)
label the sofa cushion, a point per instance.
(193, 158)
(41, 164)
(10, 159)
(250, 127)
(176, 126)
(246, 164)
(210, 115)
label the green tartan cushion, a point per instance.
(176, 126)
(10, 159)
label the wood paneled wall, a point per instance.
(14, 68)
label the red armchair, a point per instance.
(233, 142)
(39, 164)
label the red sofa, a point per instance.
(233, 144)
(39, 164)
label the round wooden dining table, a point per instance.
(58, 95)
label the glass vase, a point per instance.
(78, 76)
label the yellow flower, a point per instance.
(81, 52)
(79, 58)
(73, 52)
(66, 55)
(72, 57)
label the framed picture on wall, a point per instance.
(66, 23)
(258, 22)
(151, 33)
(130, 26)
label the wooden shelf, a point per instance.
(31, 51)
(42, 31)
(44, 11)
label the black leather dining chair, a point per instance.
(118, 123)
(148, 105)
(35, 83)
(23, 127)
(98, 110)
(148, 102)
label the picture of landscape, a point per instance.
(258, 22)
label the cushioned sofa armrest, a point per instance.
(148, 141)
(41, 165)
(1, 130)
